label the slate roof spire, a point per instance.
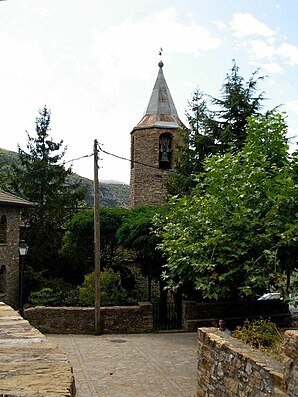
(161, 111)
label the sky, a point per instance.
(94, 63)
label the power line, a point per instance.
(131, 161)
(55, 165)
(76, 159)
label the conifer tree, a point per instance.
(216, 125)
(41, 177)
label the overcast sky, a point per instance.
(94, 64)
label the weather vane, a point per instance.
(160, 51)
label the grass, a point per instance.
(263, 335)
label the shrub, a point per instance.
(111, 291)
(55, 295)
(260, 333)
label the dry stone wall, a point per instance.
(227, 367)
(80, 320)
(31, 365)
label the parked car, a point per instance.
(293, 306)
(291, 300)
(270, 296)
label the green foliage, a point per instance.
(135, 233)
(111, 292)
(260, 333)
(216, 125)
(40, 178)
(112, 194)
(78, 242)
(237, 234)
(7, 160)
(55, 293)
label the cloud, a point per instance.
(129, 50)
(268, 45)
(244, 24)
(261, 49)
(288, 52)
(292, 106)
(273, 67)
(221, 25)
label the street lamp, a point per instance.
(23, 249)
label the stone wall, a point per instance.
(31, 365)
(227, 367)
(196, 314)
(9, 256)
(80, 320)
(291, 351)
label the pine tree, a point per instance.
(41, 178)
(216, 125)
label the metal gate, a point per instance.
(167, 316)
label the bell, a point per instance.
(164, 157)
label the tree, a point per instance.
(135, 233)
(78, 241)
(216, 125)
(237, 234)
(40, 178)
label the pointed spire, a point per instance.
(161, 111)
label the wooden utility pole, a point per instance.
(96, 241)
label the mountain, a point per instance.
(111, 193)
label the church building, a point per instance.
(154, 146)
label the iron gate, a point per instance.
(167, 316)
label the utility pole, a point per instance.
(96, 241)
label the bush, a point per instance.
(111, 291)
(56, 296)
(259, 333)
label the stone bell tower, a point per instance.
(154, 145)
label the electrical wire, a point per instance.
(131, 161)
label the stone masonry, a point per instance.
(80, 320)
(9, 257)
(10, 218)
(31, 365)
(148, 184)
(154, 146)
(230, 368)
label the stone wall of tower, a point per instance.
(148, 182)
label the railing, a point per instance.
(167, 316)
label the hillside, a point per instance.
(112, 194)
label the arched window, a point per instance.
(165, 151)
(3, 229)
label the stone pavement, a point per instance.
(139, 365)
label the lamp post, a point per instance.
(23, 249)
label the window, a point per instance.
(3, 229)
(165, 151)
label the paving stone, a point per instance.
(142, 365)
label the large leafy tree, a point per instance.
(40, 176)
(135, 233)
(216, 125)
(78, 241)
(237, 234)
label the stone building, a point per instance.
(10, 208)
(154, 146)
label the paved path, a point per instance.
(139, 365)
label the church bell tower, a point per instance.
(154, 145)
